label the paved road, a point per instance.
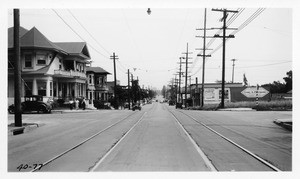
(157, 143)
(254, 131)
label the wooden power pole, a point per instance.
(17, 69)
(114, 58)
(225, 11)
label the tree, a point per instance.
(288, 81)
(245, 80)
(135, 91)
(278, 87)
(163, 91)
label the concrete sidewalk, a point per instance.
(72, 111)
(13, 130)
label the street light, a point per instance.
(149, 11)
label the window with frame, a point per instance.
(41, 59)
(90, 79)
(60, 66)
(97, 80)
(54, 89)
(101, 80)
(11, 62)
(42, 88)
(51, 89)
(28, 61)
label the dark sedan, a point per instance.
(33, 103)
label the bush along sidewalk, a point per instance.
(278, 105)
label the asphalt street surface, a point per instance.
(157, 138)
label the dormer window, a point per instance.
(41, 59)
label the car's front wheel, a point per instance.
(42, 109)
(11, 110)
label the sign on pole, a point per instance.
(253, 92)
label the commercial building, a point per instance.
(234, 92)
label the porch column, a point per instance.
(84, 90)
(75, 90)
(68, 90)
(57, 94)
(34, 87)
(48, 88)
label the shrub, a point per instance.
(60, 102)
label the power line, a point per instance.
(256, 66)
(229, 21)
(88, 32)
(243, 25)
(78, 34)
(271, 64)
(130, 31)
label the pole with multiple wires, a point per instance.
(224, 28)
(114, 58)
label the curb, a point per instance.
(20, 130)
(72, 111)
(285, 123)
(236, 109)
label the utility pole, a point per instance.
(233, 60)
(186, 71)
(204, 56)
(197, 91)
(114, 58)
(175, 86)
(225, 11)
(179, 88)
(129, 91)
(17, 69)
(190, 84)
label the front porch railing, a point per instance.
(70, 73)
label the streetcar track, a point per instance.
(115, 145)
(82, 142)
(282, 149)
(205, 158)
(263, 161)
(109, 151)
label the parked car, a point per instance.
(171, 103)
(33, 103)
(136, 106)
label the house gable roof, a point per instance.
(75, 48)
(97, 70)
(35, 39)
(10, 36)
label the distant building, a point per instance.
(234, 92)
(97, 88)
(53, 70)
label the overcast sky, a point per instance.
(152, 44)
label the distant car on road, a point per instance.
(33, 103)
(171, 103)
(136, 106)
(179, 105)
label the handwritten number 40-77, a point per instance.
(26, 166)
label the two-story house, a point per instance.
(53, 70)
(97, 88)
